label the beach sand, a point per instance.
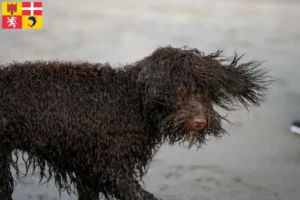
(260, 159)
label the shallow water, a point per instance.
(260, 159)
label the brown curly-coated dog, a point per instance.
(97, 127)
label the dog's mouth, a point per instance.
(194, 133)
(197, 133)
(180, 131)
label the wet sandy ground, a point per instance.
(260, 159)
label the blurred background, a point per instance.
(260, 159)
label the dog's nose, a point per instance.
(199, 123)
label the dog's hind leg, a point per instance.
(6, 179)
(86, 189)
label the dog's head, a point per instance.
(181, 86)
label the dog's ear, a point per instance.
(244, 83)
(154, 85)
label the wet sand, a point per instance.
(260, 159)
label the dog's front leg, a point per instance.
(130, 189)
(85, 193)
(86, 188)
(6, 179)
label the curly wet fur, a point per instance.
(98, 127)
